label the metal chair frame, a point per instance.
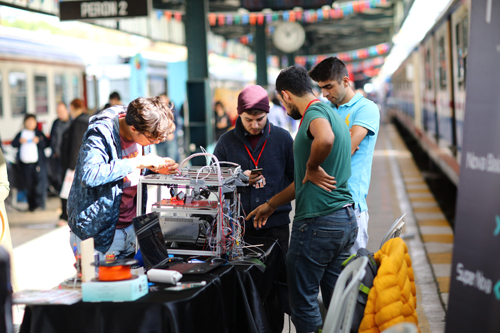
(341, 310)
(395, 230)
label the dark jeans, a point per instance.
(318, 247)
(34, 184)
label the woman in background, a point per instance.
(70, 148)
(31, 157)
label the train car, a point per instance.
(34, 77)
(428, 89)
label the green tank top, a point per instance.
(310, 199)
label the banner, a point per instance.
(474, 301)
(138, 77)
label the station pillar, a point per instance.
(199, 124)
(261, 55)
(291, 59)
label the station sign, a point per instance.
(257, 5)
(92, 10)
(474, 300)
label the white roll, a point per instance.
(164, 276)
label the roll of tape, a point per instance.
(164, 276)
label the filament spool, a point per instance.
(116, 270)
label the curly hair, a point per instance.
(295, 80)
(151, 117)
(331, 68)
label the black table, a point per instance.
(237, 298)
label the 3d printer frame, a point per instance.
(224, 182)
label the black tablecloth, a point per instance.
(237, 298)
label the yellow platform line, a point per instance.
(447, 239)
(444, 284)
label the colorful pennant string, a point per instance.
(308, 16)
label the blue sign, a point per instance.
(138, 77)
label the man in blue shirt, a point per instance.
(362, 116)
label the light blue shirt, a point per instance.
(362, 112)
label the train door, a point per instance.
(429, 90)
(444, 100)
(460, 46)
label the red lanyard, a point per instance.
(307, 107)
(264, 146)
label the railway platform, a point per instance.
(43, 256)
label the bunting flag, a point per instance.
(338, 11)
(349, 57)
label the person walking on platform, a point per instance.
(31, 157)
(59, 127)
(70, 148)
(222, 120)
(114, 153)
(362, 116)
(324, 227)
(258, 145)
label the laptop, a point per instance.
(154, 249)
(195, 268)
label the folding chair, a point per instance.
(341, 310)
(395, 230)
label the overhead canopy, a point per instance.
(353, 25)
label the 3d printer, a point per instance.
(201, 214)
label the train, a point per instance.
(428, 90)
(34, 77)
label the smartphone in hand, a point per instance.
(256, 171)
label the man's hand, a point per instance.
(318, 176)
(253, 178)
(150, 161)
(261, 214)
(36, 140)
(170, 168)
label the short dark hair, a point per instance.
(115, 95)
(254, 112)
(151, 116)
(28, 116)
(295, 80)
(331, 68)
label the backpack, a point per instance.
(364, 288)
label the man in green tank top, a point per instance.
(324, 227)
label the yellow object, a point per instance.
(392, 299)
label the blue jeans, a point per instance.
(318, 247)
(123, 245)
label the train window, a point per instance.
(41, 94)
(17, 83)
(442, 64)
(428, 69)
(461, 33)
(76, 87)
(1, 96)
(59, 85)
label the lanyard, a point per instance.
(264, 146)
(307, 107)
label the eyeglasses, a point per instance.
(151, 141)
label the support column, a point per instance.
(260, 53)
(291, 59)
(199, 126)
